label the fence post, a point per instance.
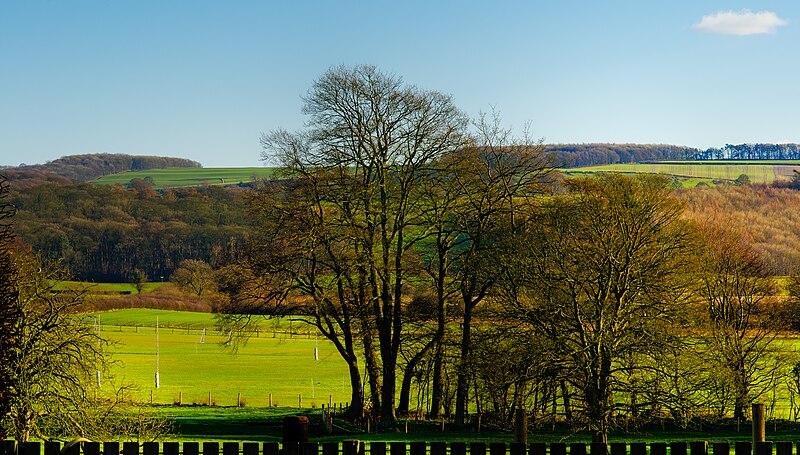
(111, 448)
(476, 448)
(619, 448)
(91, 448)
(418, 448)
(397, 448)
(350, 447)
(577, 448)
(189, 448)
(328, 448)
(638, 448)
(783, 448)
(30, 448)
(210, 448)
(758, 423)
(130, 448)
(150, 448)
(599, 448)
(763, 448)
(678, 448)
(497, 448)
(52, 448)
(658, 448)
(556, 448)
(437, 448)
(458, 448)
(248, 448)
(229, 448)
(272, 448)
(517, 448)
(169, 448)
(377, 448)
(721, 448)
(698, 448)
(311, 448)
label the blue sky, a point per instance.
(203, 79)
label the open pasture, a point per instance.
(193, 361)
(180, 177)
(693, 172)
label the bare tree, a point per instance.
(370, 142)
(195, 275)
(737, 295)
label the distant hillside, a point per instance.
(89, 167)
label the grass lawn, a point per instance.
(180, 177)
(192, 365)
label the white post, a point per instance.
(158, 380)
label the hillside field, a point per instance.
(690, 173)
(180, 177)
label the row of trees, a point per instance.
(578, 155)
(788, 151)
(399, 224)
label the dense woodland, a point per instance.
(106, 233)
(109, 233)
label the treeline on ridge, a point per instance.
(579, 155)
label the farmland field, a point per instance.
(693, 172)
(180, 177)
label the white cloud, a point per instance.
(744, 22)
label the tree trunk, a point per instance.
(356, 410)
(438, 356)
(462, 381)
(373, 372)
(408, 376)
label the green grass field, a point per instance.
(192, 365)
(180, 177)
(280, 363)
(692, 172)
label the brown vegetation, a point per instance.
(766, 216)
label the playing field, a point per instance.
(193, 362)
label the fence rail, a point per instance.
(353, 447)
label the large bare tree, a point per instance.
(357, 172)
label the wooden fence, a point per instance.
(397, 448)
